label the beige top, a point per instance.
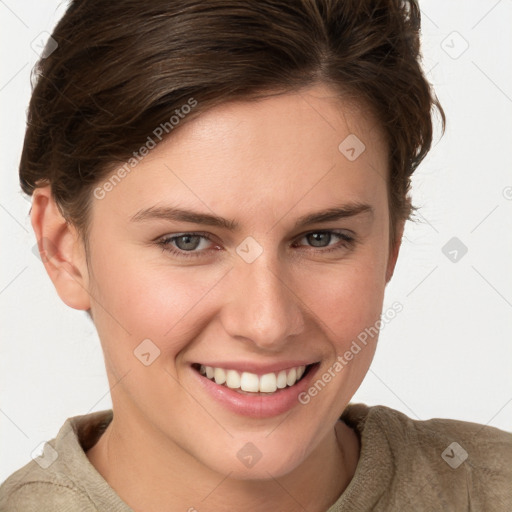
(404, 465)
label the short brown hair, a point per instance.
(122, 68)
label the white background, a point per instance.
(447, 354)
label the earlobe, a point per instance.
(61, 250)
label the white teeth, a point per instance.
(268, 383)
(291, 377)
(281, 379)
(219, 375)
(249, 382)
(233, 379)
(252, 383)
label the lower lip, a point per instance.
(257, 405)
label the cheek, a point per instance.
(347, 297)
(136, 300)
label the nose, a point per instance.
(262, 307)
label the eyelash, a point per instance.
(347, 242)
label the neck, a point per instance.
(149, 478)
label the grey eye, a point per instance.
(187, 242)
(319, 239)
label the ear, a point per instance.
(394, 250)
(61, 250)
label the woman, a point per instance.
(223, 186)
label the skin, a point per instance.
(263, 164)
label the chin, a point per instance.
(257, 460)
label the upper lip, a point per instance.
(257, 368)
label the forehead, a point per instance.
(308, 147)
(303, 123)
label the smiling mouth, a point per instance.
(252, 384)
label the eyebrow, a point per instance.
(180, 215)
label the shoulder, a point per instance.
(62, 478)
(453, 441)
(32, 488)
(462, 463)
(484, 446)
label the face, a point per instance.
(264, 291)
